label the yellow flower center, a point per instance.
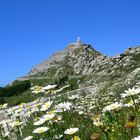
(40, 131)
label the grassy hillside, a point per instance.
(101, 103)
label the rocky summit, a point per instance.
(87, 66)
(77, 55)
(79, 59)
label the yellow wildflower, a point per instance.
(130, 125)
(76, 138)
(95, 136)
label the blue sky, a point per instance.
(31, 30)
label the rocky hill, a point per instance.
(88, 72)
(88, 67)
(78, 58)
(82, 87)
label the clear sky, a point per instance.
(31, 30)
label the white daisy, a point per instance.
(63, 106)
(41, 130)
(71, 131)
(28, 138)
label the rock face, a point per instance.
(43, 67)
(82, 62)
(77, 55)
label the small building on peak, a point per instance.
(76, 44)
(78, 41)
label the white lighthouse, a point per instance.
(78, 41)
(76, 44)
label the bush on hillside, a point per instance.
(15, 89)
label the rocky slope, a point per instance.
(84, 66)
(93, 91)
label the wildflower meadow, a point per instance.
(63, 116)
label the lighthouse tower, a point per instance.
(78, 41)
(76, 44)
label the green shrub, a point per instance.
(73, 83)
(15, 89)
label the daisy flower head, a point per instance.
(130, 92)
(48, 117)
(136, 138)
(28, 138)
(40, 122)
(63, 106)
(113, 106)
(71, 131)
(41, 130)
(46, 106)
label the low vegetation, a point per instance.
(60, 115)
